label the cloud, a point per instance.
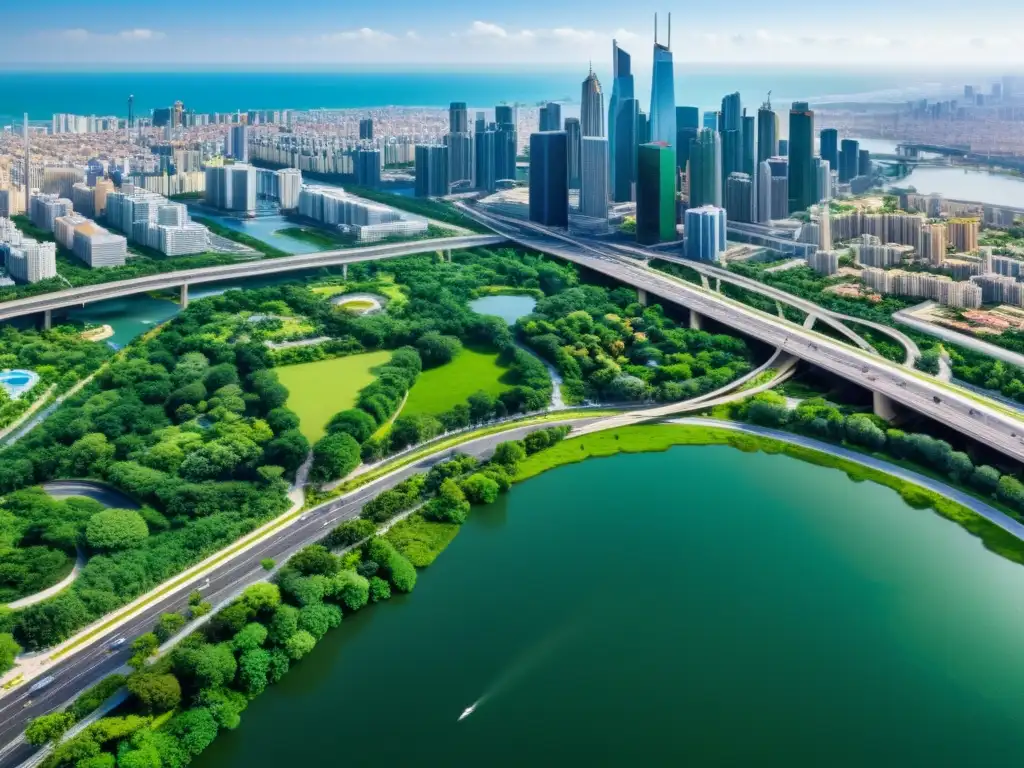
(486, 29)
(80, 35)
(139, 34)
(364, 34)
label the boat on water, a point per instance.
(467, 712)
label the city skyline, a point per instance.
(115, 31)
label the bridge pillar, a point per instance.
(344, 271)
(184, 296)
(884, 407)
(47, 320)
(641, 296)
(718, 285)
(696, 320)
(448, 254)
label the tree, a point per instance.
(253, 668)
(314, 559)
(143, 647)
(299, 644)
(156, 693)
(508, 454)
(205, 666)
(450, 505)
(379, 589)
(860, 429)
(279, 664)
(769, 409)
(284, 624)
(355, 422)
(318, 619)
(262, 597)
(436, 349)
(352, 589)
(47, 728)
(481, 406)
(89, 454)
(194, 728)
(985, 478)
(114, 529)
(334, 456)
(350, 532)
(267, 563)
(168, 625)
(9, 650)
(249, 637)
(289, 449)
(480, 489)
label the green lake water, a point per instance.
(700, 607)
(508, 308)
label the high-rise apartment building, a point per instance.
(705, 233)
(369, 163)
(289, 185)
(366, 129)
(822, 180)
(594, 177)
(458, 117)
(551, 117)
(963, 234)
(802, 183)
(231, 187)
(432, 170)
(59, 181)
(739, 197)
(932, 243)
(829, 149)
(460, 158)
(549, 178)
(655, 193)
(764, 193)
(591, 107)
(238, 143)
(705, 176)
(849, 160)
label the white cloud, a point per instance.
(364, 34)
(486, 29)
(128, 35)
(139, 34)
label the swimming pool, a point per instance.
(17, 382)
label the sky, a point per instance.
(870, 33)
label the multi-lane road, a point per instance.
(87, 294)
(90, 664)
(972, 415)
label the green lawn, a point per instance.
(317, 391)
(439, 389)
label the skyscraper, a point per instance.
(705, 233)
(711, 120)
(655, 193)
(366, 128)
(431, 170)
(486, 147)
(822, 179)
(749, 144)
(231, 187)
(663, 90)
(460, 157)
(238, 138)
(731, 128)
(801, 151)
(643, 126)
(594, 177)
(591, 107)
(458, 117)
(764, 192)
(767, 132)
(572, 131)
(551, 117)
(739, 197)
(687, 126)
(505, 143)
(622, 113)
(549, 178)
(864, 162)
(849, 160)
(368, 164)
(706, 169)
(830, 147)
(504, 114)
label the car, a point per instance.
(117, 643)
(38, 686)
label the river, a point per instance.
(701, 606)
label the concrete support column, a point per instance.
(47, 320)
(344, 271)
(696, 320)
(184, 296)
(718, 285)
(883, 406)
(641, 296)
(448, 254)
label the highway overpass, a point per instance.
(974, 416)
(72, 297)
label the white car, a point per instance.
(117, 643)
(41, 684)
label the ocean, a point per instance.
(86, 92)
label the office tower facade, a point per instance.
(366, 129)
(822, 180)
(749, 144)
(830, 147)
(710, 120)
(643, 126)
(663, 91)
(705, 233)
(458, 117)
(506, 141)
(238, 143)
(705, 177)
(231, 187)
(504, 114)
(801, 151)
(549, 178)
(849, 160)
(655, 193)
(572, 131)
(739, 197)
(432, 170)
(767, 133)
(460, 158)
(864, 163)
(594, 177)
(622, 114)
(551, 117)
(687, 127)
(783, 147)
(591, 107)
(368, 164)
(763, 210)
(485, 147)
(731, 129)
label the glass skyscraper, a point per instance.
(655, 193)
(830, 147)
(687, 126)
(802, 181)
(549, 178)
(663, 91)
(767, 133)
(591, 107)
(622, 114)
(706, 169)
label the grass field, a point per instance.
(439, 389)
(317, 391)
(357, 305)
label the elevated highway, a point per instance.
(72, 297)
(976, 417)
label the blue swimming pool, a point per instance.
(17, 382)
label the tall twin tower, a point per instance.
(627, 125)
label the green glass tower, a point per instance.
(802, 181)
(655, 193)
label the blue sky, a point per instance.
(869, 33)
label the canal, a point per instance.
(700, 607)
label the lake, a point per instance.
(508, 308)
(699, 607)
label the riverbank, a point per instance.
(997, 531)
